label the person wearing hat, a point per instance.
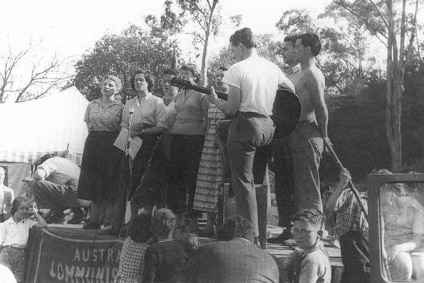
(188, 136)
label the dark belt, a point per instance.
(250, 114)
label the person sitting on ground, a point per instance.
(164, 260)
(6, 197)
(14, 234)
(311, 263)
(131, 261)
(55, 188)
(403, 229)
(234, 258)
(352, 230)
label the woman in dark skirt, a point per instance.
(188, 136)
(148, 123)
(100, 162)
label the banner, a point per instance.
(56, 258)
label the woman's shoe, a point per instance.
(91, 226)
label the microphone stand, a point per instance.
(128, 145)
(118, 218)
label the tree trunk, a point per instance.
(204, 69)
(394, 94)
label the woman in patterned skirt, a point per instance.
(211, 172)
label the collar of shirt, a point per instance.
(138, 101)
(10, 221)
(114, 102)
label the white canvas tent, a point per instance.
(31, 129)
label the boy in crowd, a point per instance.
(351, 229)
(311, 263)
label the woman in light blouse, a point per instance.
(148, 122)
(188, 136)
(100, 162)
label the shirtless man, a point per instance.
(306, 143)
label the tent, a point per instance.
(29, 130)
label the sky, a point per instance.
(72, 27)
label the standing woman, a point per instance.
(186, 148)
(100, 162)
(211, 169)
(148, 122)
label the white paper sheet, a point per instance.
(122, 139)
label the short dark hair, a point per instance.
(244, 36)
(140, 228)
(291, 38)
(163, 222)
(172, 72)
(222, 68)
(192, 68)
(150, 79)
(16, 203)
(236, 227)
(311, 40)
(311, 215)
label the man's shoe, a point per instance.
(78, 216)
(91, 226)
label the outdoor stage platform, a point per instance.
(67, 253)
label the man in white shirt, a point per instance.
(253, 83)
(6, 197)
(55, 188)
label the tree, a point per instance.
(208, 19)
(343, 54)
(394, 21)
(267, 47)
(121, 55)
(24, 75)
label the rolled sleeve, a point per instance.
(47, 167)
(232, 77)
(86, 115)
(160, 115)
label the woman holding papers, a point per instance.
(99, 168)
(148, 122)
